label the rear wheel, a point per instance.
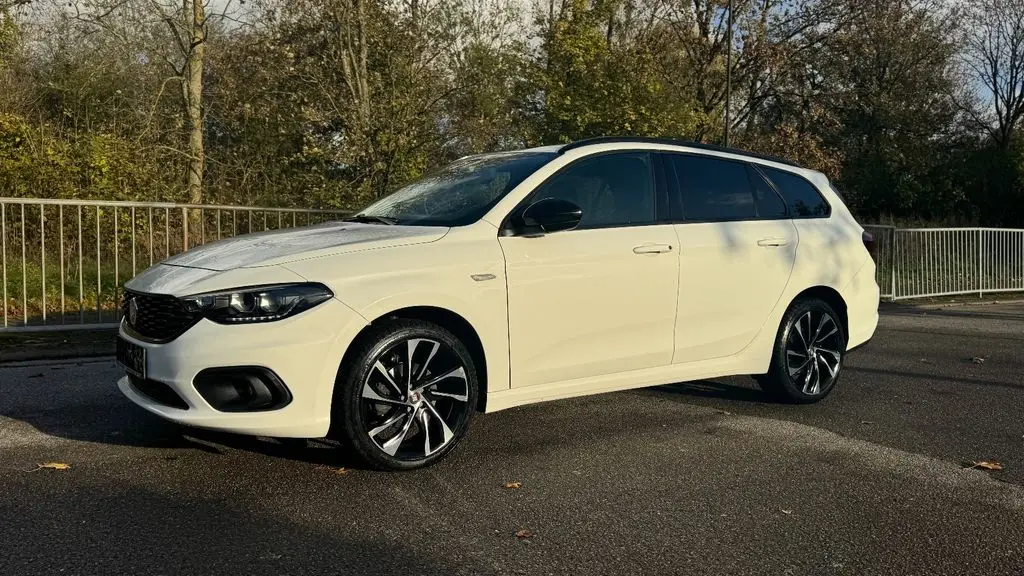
(809, 351)
(406, 397)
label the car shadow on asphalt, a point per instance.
(317, 451)
(717, 390)
(99, 414)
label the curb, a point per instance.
(56, 361)
(11, 358)
(907, 304)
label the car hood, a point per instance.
(282, 246)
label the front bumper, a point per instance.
(304, 351)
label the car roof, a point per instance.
(605, 142)
(674, 142)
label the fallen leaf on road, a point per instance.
(339, 471)
(53, 466)
(986, 465)
(513, 485)
(522, 534)
(978, 360)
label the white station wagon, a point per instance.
(506, 279)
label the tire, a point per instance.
(803, 373)
(389, 424)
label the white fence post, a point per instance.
(892, 264)
(981, 265)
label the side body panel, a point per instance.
(829, 252)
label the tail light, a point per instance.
(869, 243)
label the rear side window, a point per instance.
(718, 190)
(801, 196)
(769, 204)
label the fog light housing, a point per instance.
(242, 389)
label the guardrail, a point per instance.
(62, 262)
(925, 262)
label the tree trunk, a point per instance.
(193, 94)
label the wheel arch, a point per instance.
(447, 319)
(830, 296)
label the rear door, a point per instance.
(737, 250)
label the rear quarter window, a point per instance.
(801, 196)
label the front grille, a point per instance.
(158, 392)
(158, 317)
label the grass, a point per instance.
(82, 297)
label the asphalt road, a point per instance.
(701, 478)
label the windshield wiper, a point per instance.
(368, 219)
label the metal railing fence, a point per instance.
(927, 262)
(885, 238)
(62, 262)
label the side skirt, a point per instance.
(671, 374)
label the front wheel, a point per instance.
(809, 351)
(406, 397)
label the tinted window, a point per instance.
(611, 189)
(769, 205)
(801, 196)
(713, 189)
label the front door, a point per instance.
(599, 299)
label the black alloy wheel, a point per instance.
(408, 396)
(809, 353)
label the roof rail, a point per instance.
(673, 142)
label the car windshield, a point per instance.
(458, 194)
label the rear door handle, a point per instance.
(769, 242)
(652, 248)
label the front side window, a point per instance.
(803, 198)
(612, 190)
(458, 194)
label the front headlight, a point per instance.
(257, 303)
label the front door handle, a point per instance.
(652, 248)
(771, 242)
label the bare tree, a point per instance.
(191, 41)
(182, 48)
(994, 59)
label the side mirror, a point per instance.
(551, 215)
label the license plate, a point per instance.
(132, 357)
